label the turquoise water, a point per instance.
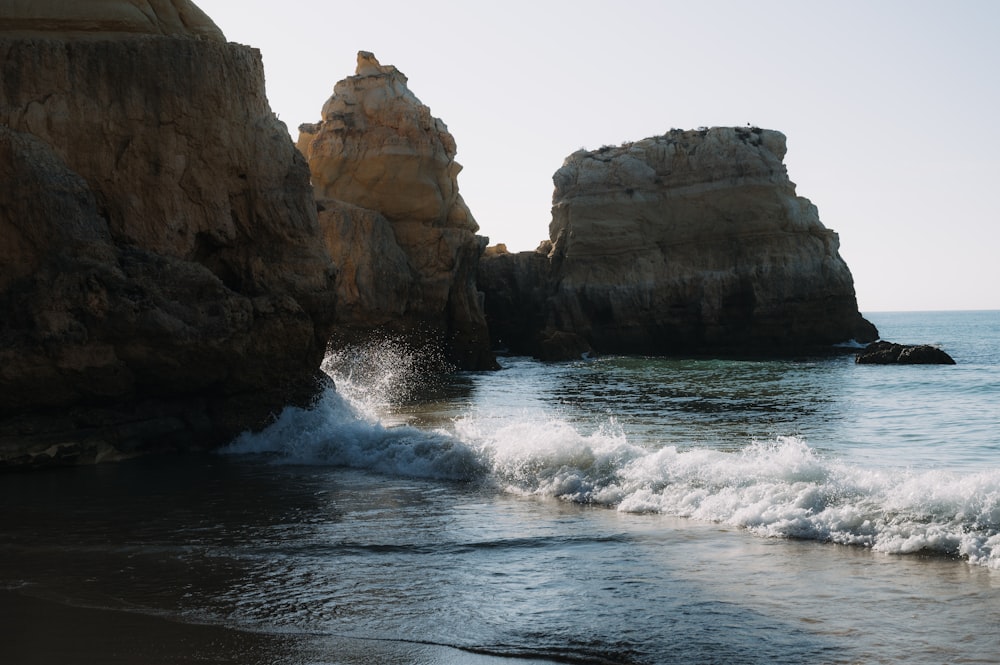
(613, 510)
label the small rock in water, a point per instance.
(890, 353)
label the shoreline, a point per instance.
(40, 631)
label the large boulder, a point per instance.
(385, 177)
(691, 242)
(163, 280)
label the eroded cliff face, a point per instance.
(163, 280)
(385, 177)
(690, 242)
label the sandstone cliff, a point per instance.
(385, 178)
(163, 281)
(694, 241)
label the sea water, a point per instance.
(609, 510)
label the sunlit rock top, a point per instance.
(102, 19)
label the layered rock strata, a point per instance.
(103, 19)
(163, 281)
(691, 242)
(385, 178)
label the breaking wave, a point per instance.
(778, 488)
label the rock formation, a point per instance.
(889, 353)
(163, 281)
(691, 242)
(404, 241)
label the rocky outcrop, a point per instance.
(691, 242)
(163, 281)
(890, 353)
(385, 177)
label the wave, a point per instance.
(778, 488)
(334, 431)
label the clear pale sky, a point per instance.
(891, 108)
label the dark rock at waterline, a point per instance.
(561, 345)
(890, 353)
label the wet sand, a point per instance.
(37, 631)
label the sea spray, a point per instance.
(385, 372)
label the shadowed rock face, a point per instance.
(163, 281)
(689, 242)
(386, 184)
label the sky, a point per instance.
(891, 108)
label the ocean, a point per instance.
(608, 510)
